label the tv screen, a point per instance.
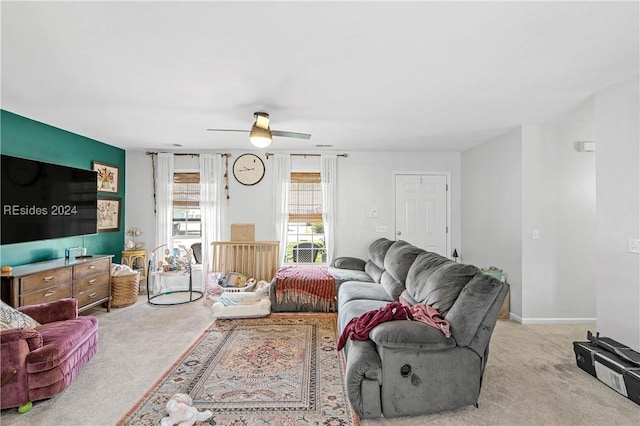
(42, 201)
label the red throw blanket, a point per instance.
(360, 327)
(312, 285)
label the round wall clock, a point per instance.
(248, 169)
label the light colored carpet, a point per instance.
(531, 377)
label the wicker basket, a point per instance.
(124, 289)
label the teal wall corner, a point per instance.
(26, 138)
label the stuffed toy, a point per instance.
(181, 413)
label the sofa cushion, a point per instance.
(349, 263)
(410, 335)
(392, 286)
(13, 318)
(353, 290)
(397, 262)
(437, 281)
(343, 275)
(378, 250)
(373, 270)
(472, 305)
(355, 308)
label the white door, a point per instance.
(421, 211)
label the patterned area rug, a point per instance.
(280, 370)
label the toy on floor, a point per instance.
(250, 304)
(181, 412)
(213, 288)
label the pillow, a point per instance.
(349, 263)
(12, 318)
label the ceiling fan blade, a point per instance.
(227, 130)
(290, 134)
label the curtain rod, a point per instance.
(267, 154)
(193, 154)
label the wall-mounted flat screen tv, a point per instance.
(42, 201)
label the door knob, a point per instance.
(398, 233)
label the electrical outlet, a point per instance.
(634, 245)
(382, 228)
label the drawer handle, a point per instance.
(92, 295)
(92, 266)
(92, 281)
(49, 278)
(50, 293)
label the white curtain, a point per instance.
(281, 182)
(210, 207)
(328, 164)
(164, 203)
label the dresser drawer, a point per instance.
(90, 268)
(91, 282)
(45, 279)
(91, 295)
(46, 294)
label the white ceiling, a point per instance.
(356, 75)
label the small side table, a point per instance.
(136, 260)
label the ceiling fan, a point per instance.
(261, 134)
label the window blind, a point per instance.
(186, 190)
(305, 197)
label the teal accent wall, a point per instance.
(26, 138)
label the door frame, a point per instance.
(447, 176)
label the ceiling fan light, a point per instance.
(259, 137)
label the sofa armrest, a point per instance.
(31, 336)
(349, 263)
(363, 378)
(58, 310)
(406, 334)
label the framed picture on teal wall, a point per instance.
(108, 176)
(108, 214)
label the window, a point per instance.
(187, 228)
(305, 242)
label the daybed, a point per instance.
(42, 361)
(407, 367)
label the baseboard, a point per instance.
(526, 321)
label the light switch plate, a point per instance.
(634, 245)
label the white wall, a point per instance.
(542, 184)
(365, 182)
(492, 211)
(618, 212)
(558, 198)
(574, 215)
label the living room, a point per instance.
(524, 195)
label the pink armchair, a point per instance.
(41, 362)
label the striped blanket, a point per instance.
(308, 285)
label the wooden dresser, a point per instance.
(87, 279)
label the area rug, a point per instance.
(280, 370)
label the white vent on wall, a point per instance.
(585, 146)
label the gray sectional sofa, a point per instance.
(408, 367)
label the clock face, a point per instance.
(248, 169)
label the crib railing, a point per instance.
(256, 259)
